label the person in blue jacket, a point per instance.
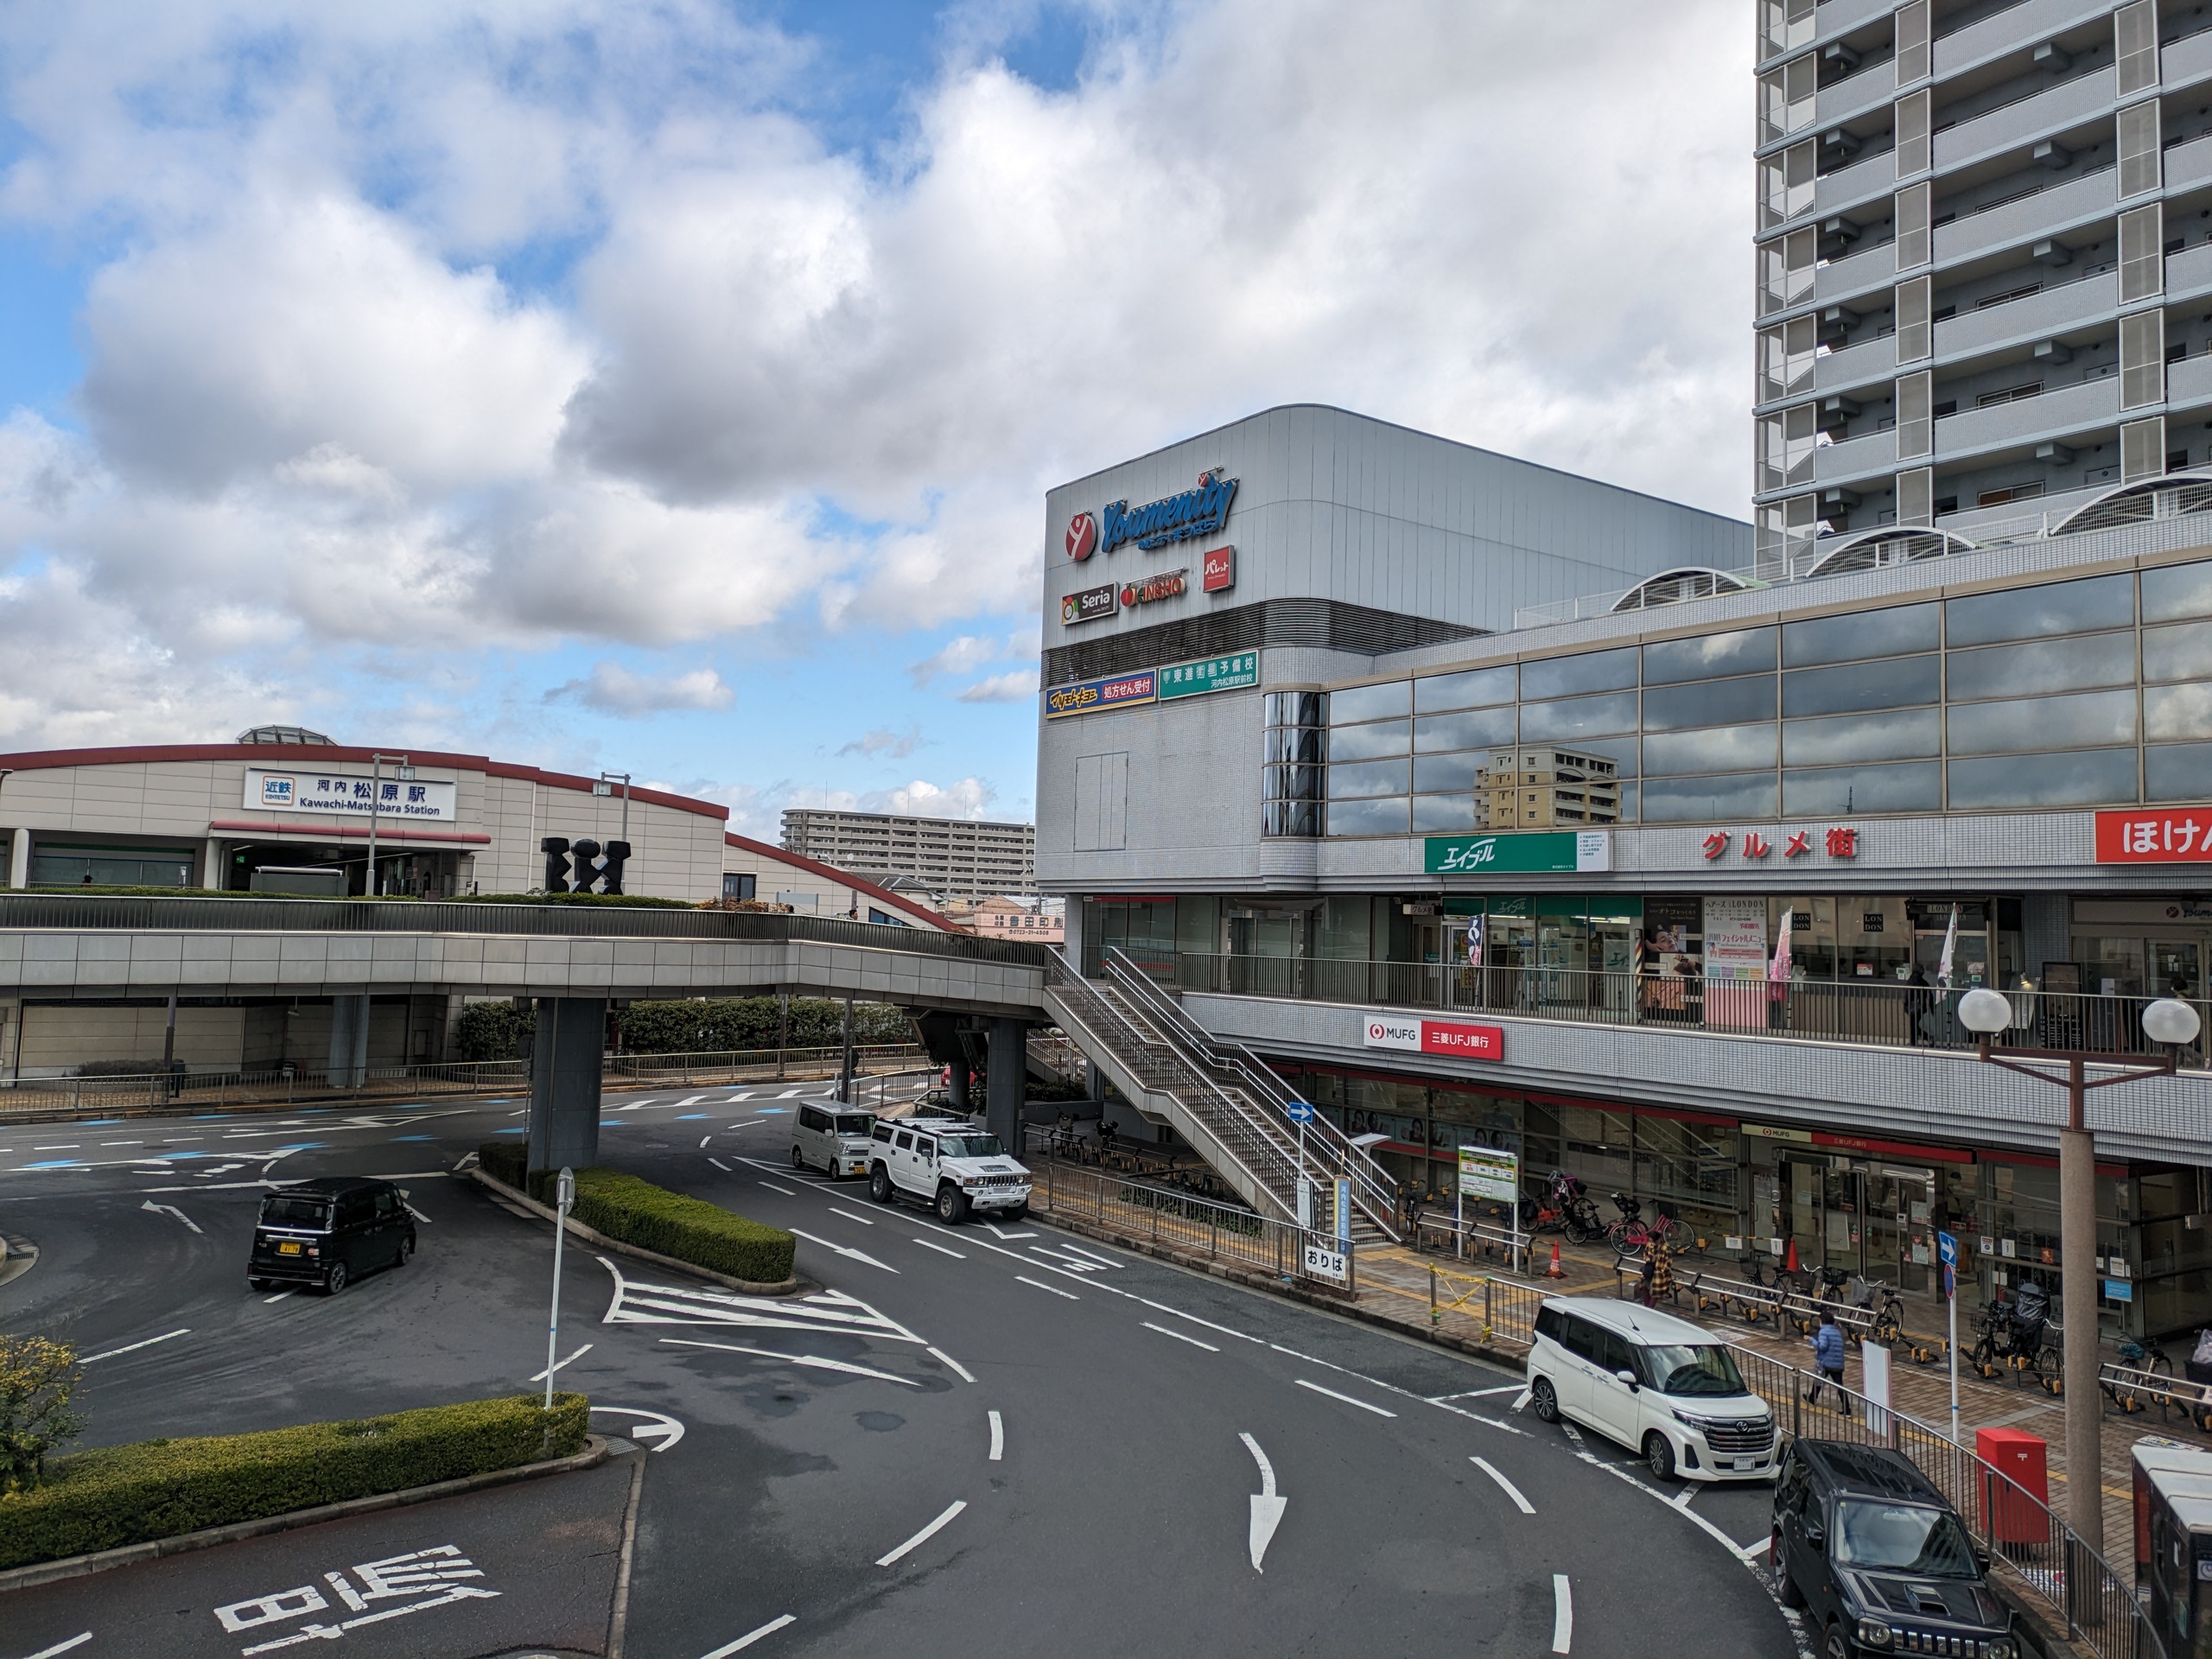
(1828, 1355)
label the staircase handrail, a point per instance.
(1061, 977)
(1374, 1191)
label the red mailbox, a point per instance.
(2023, 1458)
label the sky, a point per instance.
(672, 386)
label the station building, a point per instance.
(1477, 799)
(286, 812)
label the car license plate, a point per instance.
(1747, 1463)
(289, 1247)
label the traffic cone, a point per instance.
(1790, 1262)
(1554, 1271)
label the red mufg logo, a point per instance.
(1083, 537)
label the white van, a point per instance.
(833, 1138)
(1657, 1384)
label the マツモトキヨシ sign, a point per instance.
(1089, 696)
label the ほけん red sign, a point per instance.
(2155, 834)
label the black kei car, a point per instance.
(1880, 1560)
(329, 1231)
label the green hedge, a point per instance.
(121, 1495)
(724, 1024)
(654, 1219)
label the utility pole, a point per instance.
(564, 1200)
(845, 1071)
(606, 786)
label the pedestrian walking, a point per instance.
(1649, 1278)
(1828, 1355)
(1663, 1274)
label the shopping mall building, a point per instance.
(1479, 798)
(288, 811)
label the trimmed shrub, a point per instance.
(121, 1495)
(724, 1024)
(494, 1031)
(654, 1219)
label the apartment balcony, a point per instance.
(2015, 126)
(2188, 164)
(1836, 18)
(1880, 1056)
(1872, 270)
(1853, 190)
(1873, 87)
(2188, 382)
(1874, 455)
(2025, 321)
(2187, 60)
(2007, 31)
(2077, 201)
(1870, 363)
(2053, 414)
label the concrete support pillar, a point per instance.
(349, 1041)
(959, 1084)
(2077, 1304)
(212, 873)
(19, 859)
(565, 1074)
(1009, 1082)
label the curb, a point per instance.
(73, 1567)
(1510, 1358)
(794, 1286)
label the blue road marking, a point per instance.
(414, 1137)
(773, 1112)
(692, 1117)
(55, 1163)
(510, 1131)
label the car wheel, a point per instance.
(406, 1248)
(1784, 1585)
(257, 1284)
(798, 1160)
(1659, 1456)
(1545, 1399)
(334, 1280)
(951, 1205)
(1019, 1212)
(879, 1185)
(1837, 1644)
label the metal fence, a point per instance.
(1193, 1225)
(1884, 1013)
(184, 1092)
(2068, 1587)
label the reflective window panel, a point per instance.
(2172, 711)
(1723, 748)
(1893, 633)
(1438, 773)
(2178, 771)
(2085, 777)
(2042, 723)
(2045, 665)
(1898, 684)
(1900, 734)
(1714, 703)
(1439, 815)
(1710, 657)
(1370, 702)
(1368, 818)
(1367, 778)
(2178, 653)
(1478, 688)
(1478, 730)
(1370, 742)
(1840, 791)
(2050, 608)
(1560, 676)
(1682, 800)
(2176, 590)
(1574, 717)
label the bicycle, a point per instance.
(1632, 1237)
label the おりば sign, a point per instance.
(1447, 1037)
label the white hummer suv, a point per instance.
(949, 1164)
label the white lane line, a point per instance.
(841, 1249)
(794, 1359)
(570, 1360)
(702, 1141)
(750, 1638)
(1742, 1552)
(688, 1100)
(788, 1094)
(171, 1210)
(850, 1216)
(1504, 1486)
(998, 1438)
(105, 1143)
(1681, 1500)
(940, 1249)
(965, 1374)
(1023, 1278)
(772, 1187)
(1475, 1394)
(744, 1123)
(734, 1099)
(1195, 1319)
(1090, 1255)
(133, 1347)
(63, 1647)
(925, 1534)
(1346, 1398)
(1562, 1614)
(1268, 1505)
(1180, 1336)
(1520, 1403)
(722, 1166)
(281, 1295)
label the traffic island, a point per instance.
(619, 1212)
(115, 1505)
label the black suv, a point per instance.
(329, 1230)
(1879, 1559)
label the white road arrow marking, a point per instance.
(751, 1636)
(998, 1437)
(129, 1348)
(658, 1426)
(1267, 1507)
(790, 1359)
(63, 1647)
(1562, 1614)
(841, 1250)
(925, 1534)
(171, 1210)
(1505, 1485)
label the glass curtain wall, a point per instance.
(2086, 692)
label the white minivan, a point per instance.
(1657, 1384)
(833, 1138)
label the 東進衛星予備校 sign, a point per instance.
(1213, 674)
(1530, 852)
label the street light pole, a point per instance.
(401, 769)
(2170, 1024)
(606, 787)
(564, 1200)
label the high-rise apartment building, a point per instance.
(1527, 789)
(951, 858)
(1984, 271)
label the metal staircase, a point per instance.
(1219, 1096)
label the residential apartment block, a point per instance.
(948, 857)
(1984, 271)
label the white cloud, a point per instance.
(882, 740)
(613, 689)
(321, 414)
(1016, 686)
(968, 798)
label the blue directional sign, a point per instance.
(1947, 1250)
(1301, 1111)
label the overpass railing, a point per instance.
(83, 912)
(1882, 1013)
